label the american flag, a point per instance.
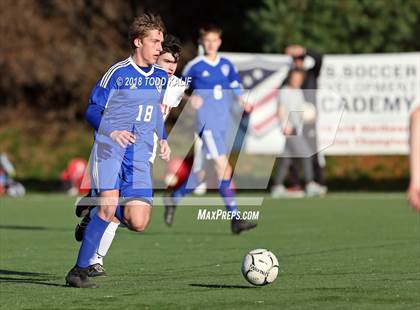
(262, 75)
(263, 86)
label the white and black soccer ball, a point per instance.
(260, 267)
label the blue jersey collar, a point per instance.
(152, 68)
(212, 63)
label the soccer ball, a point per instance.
(260, 267)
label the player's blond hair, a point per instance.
(142, 24)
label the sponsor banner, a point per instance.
(363, 104)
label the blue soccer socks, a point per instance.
(228, 196)
(91, 239)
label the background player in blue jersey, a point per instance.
(216, 85)
(168, 60)
(124, 109)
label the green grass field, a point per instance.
(346, 251)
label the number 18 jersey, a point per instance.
(131, 98)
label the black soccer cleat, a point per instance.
(83, 206)
(96, 270)
(169, 214)
(238, 226)
(79, 230)
(78, 277)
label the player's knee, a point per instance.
(107, 214)
(139, 226)
(137, 215)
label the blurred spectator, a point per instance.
(293, 112)
(7, 184)
(74, 178)
(414, 187)
(311, 62)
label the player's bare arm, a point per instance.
(414, 187)
(165, 150)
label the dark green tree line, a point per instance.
(338, 26)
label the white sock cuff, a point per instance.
(104, 244)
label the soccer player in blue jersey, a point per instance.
(168, 60)
(124, 109)
(216, 85)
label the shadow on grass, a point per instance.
(22, 227)
(189, 233)
(25, 227)
(21, 273)
(36, 278)
(29, 281)
(344, 249)
(223, 286)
